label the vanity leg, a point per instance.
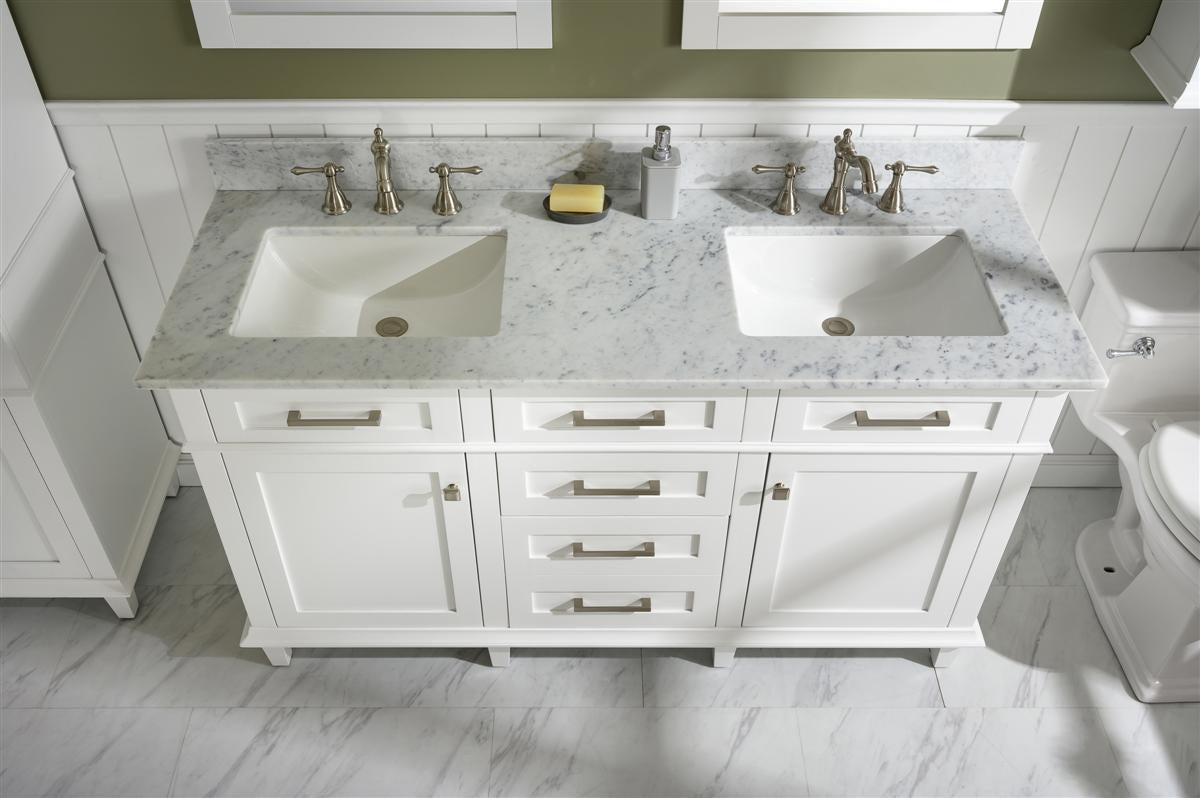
(943, 657)
(124, 607)
(500, 656)
(278, 656)
(723, 657)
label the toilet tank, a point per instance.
(1155, 294)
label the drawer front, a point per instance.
(620, 483)
(325, 416)
(618, 419)
(613, 545)
(607, 602)
(959, 419)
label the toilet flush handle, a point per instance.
(1142, 347)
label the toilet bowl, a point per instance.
(1142, 566)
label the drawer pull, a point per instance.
(656, 418)
(372, 420)
(642, 550)
(642, 605)
(941, 418)
(452, 493)
(780, 492)
(652, 489)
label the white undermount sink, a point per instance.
(793, 283)
(347, 282)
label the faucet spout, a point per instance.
(844, 158)
(869, 185)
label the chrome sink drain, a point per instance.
(837, 325)
(391, 327)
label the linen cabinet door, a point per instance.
(360, 540)
(868, 540)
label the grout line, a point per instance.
(187, 727)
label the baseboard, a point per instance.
(186, 472)
(1078, 471)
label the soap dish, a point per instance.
(571, 217)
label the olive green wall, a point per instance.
(148, 49)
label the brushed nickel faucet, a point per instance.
(386, 201)
(892, 200)
(335, 200)
(785, 202)
(446, 203)
(844, 158)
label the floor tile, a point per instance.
(89, 752)
(957, 752)
(1045, 648)
(647, 752)
(454, 678)
(1157, 746)
(33, 634)
(795, 678)
(345, 752)
(1042, 549)
(181, 650)
(186, 549)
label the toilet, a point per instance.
(1142, 566)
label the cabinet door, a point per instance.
(34, 540)
(869, 539)
(360, 540)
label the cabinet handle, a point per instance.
(941, 418)
(780, 492)
(642, 605)
(451, 493)
(372, 420)
(652, 489)
(642, 550)
(656, 418)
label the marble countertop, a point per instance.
(624, 303)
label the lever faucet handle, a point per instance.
(900, 167)
(785, 202)
(789, 169)
(443, 169)
(336, 202)
(892, 200)
(446, 203)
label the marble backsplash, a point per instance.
(535, 163)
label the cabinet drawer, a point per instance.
(614, 545)
(620, 483)
(606, 602)
(618, 419)
(900, 419)
(324, 416)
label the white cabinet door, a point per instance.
(34, 540)
(882, 540)
(360, 540)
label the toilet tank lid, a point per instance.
(1155, 289)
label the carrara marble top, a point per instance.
(624, 303)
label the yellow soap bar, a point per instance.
(576, 198)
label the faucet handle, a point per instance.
(789, 169)
(446, 203)
(336, 202)
(444, 168)
(785, 202)
(900, 167)
(892, 200)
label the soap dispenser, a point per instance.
(661, 168)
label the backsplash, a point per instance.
(533, 164)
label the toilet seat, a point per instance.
(1167, 460)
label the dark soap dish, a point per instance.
(570, 217)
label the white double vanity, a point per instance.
(630, 433)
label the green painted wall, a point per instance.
(148, 49)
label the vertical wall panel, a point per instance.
(1040, 170)
(1127, 204)
(186, 143)
(1178, 201)
(1085, 180)
(1193, 241)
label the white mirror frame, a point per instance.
(859, 24)
(374, 24)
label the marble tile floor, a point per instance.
(168, 704)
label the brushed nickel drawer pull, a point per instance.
(372, 420)
(941, 418)
(643, 605)
(657, 418)
(451, 493)
(780, 492)
(652, 489)
(642, 550)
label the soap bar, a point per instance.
(576, 198)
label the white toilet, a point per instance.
(1142, 566)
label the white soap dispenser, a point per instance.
(661, 169)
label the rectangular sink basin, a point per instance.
(370, 282)
(791, 284)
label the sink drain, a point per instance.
(391, 327)
(836, 325)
